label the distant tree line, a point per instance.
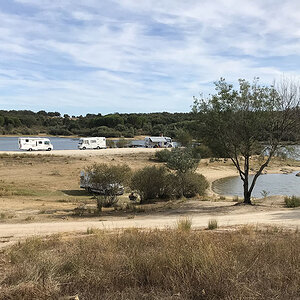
(183, 126)
(26, 122)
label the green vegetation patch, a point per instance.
(292, 201)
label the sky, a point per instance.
(105, 56)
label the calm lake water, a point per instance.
(11, 143)
(275, 184)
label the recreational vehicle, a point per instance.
(158, 142)
(92, 143)
(31, 144)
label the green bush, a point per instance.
(150, 182)
(191, 184)
(157, 182)
(292, 201)
(122, 143)
(109, 179)
(183, 137)
(163, 155)
(182, 160)
(201, 151)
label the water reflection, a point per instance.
(274, 184)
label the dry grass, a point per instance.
(155, 265)
(212, 224)
(184, 224)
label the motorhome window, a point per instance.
(40, 142)
(93, 141)
(46, 142)
(86, 142)
(80, 142)
(27, 141)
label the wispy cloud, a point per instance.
(104, 56)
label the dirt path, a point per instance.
(10, 233)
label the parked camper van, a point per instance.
(31, 144)
(92, 143)
(158, 142)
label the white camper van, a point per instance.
(158, 142)
(31, 144)
(92, 143)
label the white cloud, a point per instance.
(128, 55)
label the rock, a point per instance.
(298, 174)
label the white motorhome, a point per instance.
(158, 142)
(92, 143)
(31, 144)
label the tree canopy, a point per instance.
(251, 120)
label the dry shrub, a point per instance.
(170, 264)
(292, 201)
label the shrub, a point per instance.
(292, 201)
(109, 179)
(122, 143)
(150, 182)
(110, 144)
(212, 224)
(201, 151)
(184, 224)
(183, 137)
(191, 184)
(182, 160)
(163, 155)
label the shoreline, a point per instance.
(211, 171)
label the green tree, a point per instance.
(182, 160)
(183, 137)
(253, 119)
(108, 179)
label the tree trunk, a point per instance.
(247, 193)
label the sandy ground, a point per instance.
(288, 218)
(87, 153)
(48, 191)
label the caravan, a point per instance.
(92, 143)
(31, 144)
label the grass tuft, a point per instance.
(212, 224)
(184, 224)
(292, 202)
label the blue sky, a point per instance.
(92, 56)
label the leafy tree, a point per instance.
(184, 137)
(253, 119)
(182, 160)
(109, 179)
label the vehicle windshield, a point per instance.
(46, 142)
(80, 142)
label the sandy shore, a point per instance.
(106, 152)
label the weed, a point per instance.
(184, 224)
(292, 201)
(212, 224)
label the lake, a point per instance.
(11, 143)
(274, 184)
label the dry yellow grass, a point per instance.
(168, 264)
